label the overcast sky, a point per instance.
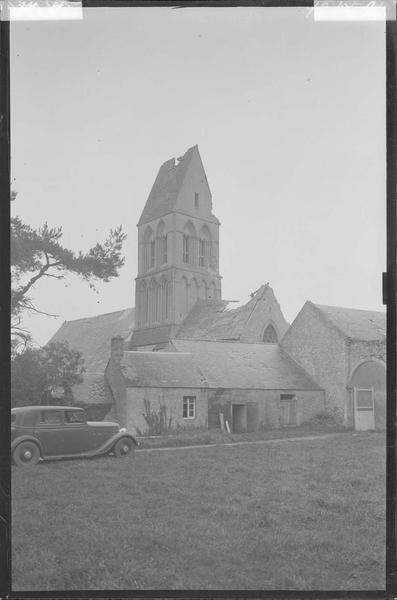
(289, 117)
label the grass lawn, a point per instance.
(306, 514)
(197, 436)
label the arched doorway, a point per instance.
(368, 385)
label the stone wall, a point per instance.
(308, 404)
(318, 347)
(362, 351)
(172, 399)
(209, 402)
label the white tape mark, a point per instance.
(355, 10)
(40, 10)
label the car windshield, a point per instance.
(74, 416)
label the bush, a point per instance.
(324, 418)
(158, 422)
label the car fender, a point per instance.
(112, 441)
(26, 438)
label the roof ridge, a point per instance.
(378, 312)
(256, 297)
(220, 341)
(112, 312)
(345, 334)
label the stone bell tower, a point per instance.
(178, 251)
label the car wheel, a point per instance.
(123, 447)
(26, 454)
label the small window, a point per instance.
(74, 416)
(270, 335)
(364, 400)
(287, 397)
(196, 200)
(49, 417)
(189, 407)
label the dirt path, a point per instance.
(275, 441)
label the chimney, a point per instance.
(116, 349)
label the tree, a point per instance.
(38, 253)
(28, 379)
(37, 376)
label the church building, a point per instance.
(186, 353)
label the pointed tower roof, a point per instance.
(165, 191)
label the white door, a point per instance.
(364, 413)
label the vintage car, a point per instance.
(51, 432)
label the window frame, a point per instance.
(189, 403)
(80, 412)
(41, 422)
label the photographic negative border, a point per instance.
(390, 299)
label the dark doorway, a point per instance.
(239, 418)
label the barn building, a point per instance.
(206, 361)
(344, 350)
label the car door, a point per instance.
(76, 437)
(48, 430)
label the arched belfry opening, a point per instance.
(189, 244)
(178, 250)
(270, 335)
(205, 249)
(161, 244)
(148, 249)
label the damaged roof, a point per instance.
(161, 369)
(92, 335)
(355, 324)
(217, 319)
(246, 366)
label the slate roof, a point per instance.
(212, 319)
(355, 324)
(161, 369)
(246, 366)
(92, 390)
(92, 335)
(164, 193)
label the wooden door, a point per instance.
(288, 411)
(364, 412)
